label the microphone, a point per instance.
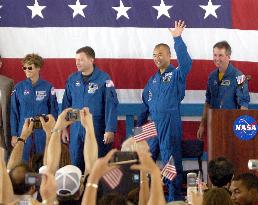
(253, 164)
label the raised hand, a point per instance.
(179, 27)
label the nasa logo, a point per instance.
(245, 127)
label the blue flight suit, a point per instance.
(99, 95)
(27, 101)
(161, 99)
(227, 94)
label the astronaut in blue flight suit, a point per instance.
(90, 87)
(224, 91)
(161, 99)
(31, 97)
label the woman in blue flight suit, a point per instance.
(30, 98)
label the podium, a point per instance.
(223, 142)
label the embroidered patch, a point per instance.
(13, 91)
(225, 82)
(26, 92)
(53, 92)
(92, 87)
(241, 79)
(77, 83)
(167, 77)
(150, 96)
(109, 84)
(40, 95)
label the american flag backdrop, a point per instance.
(123, 34)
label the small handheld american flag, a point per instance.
(113, 177)
(169, 170)
(145, 132)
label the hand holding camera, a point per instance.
(27, 129)
(36, 121)
(73, 115)
(48, 124)
(120, 158)
(146, 163)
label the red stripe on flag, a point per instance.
(148, 131)
(169, 171)
(113, 177)
(245, 14)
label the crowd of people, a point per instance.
(37, 172)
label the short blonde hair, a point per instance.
(33, 59)
(131, 145)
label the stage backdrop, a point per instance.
(123, 34)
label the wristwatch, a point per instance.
(20, 139)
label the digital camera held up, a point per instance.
(73, 115)
(120, 158)
(37, 124)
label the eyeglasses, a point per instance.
(25, 68)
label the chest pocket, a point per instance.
(96, 99)
(41, 96)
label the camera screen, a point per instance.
(31, 180)
(136, 178)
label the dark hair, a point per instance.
(113, 199)
(87, 50)
(33, 59)
(19, 186)
(249, 180)
(163, 45)
(223, 44)
(220, 171)
(217, 196)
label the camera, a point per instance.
(191, 185)
(33, 179)
(73, 115)
(120, 158)
(253, 164)
(37, 124)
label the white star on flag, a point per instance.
(210, 9)
(162, 9)
(122, 10)
(36, 9)
(78, 9)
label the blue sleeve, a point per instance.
(144, 114)
(15, 113)
(183, 57)
(111, 104)
(242, 93)
(53, 105)
(67, 98)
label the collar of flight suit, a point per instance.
(170, 68)
(28, 80)
(228, 72)
(94, 74)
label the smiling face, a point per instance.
(31, 71)
(161, 57)
(241, 195)
(220, 58)
(84, 63)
